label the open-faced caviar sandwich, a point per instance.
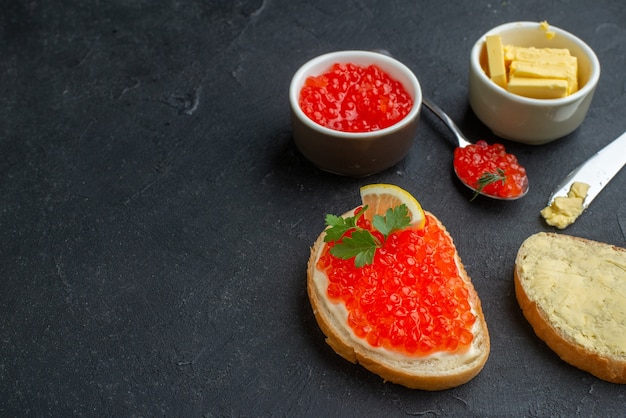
(389, 291)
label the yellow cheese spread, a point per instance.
(564, 210)
(540, 73)
(550, 65)
(538, 88)
(546, 28)
(581, 289)
(495, 59)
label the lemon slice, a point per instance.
(380, 197)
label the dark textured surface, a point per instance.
(155, 217)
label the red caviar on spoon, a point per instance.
(486, 169)
(489, 170)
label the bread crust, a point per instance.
(426, 377)
(610, 369)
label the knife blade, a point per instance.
(597, 171)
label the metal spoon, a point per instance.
(464, 142)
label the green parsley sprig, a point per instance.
(486, 179)
(362, 244)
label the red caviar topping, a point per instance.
(351, 98)
(411, 299)
(472, 161)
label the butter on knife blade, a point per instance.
(597, 171)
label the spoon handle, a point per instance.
(461, 139)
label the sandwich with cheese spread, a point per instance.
(573, 293)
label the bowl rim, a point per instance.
(589, 86)
(344, 56)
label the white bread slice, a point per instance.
(573, 293)
(437, 371)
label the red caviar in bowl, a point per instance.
(352, 98)
(473, 161)
(411, 299)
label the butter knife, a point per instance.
(597, 171)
